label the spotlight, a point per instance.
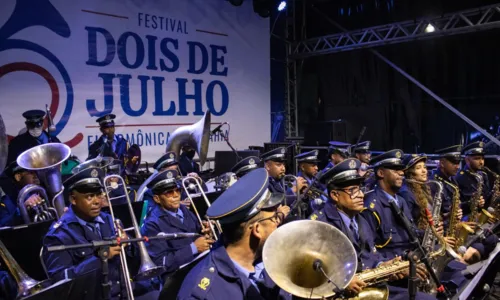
(236, 2)
(430, 28)
(282, 5)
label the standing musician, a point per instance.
(343, 211)
(169, 216)
(248, 213)
(83, 223)
(361, 151)
(337, 153)
(466, 179)
(246, 165)
(34, 135)
(308, 169)
(109, 144)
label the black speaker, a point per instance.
(320, 133)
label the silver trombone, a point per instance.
(147, 269)
(193, 183)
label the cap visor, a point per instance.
(88, 188)
(274, 200)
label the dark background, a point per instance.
(362, 90)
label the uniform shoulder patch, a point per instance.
(372, 205)
(461, 172)
(313, 217)
(204, 283)
(57, 225)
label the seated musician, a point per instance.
(337, 153)
(391, 237)
(248, 214)
(467, 181)
(169, 216)
(308, 169)
(83, 223)
(109, 144)
(361, 151)
(343, 211)
(246, 165)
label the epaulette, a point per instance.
(57, 224)
(203, 283)
(370, 191)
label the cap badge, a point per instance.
(251, 161)
(94, 173)
(282, 150)
(352, 164)
(398, 154)
(171, 155)
(481, 144)
(170, 175)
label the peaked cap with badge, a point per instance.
(363, 147)
(106, 121)
(277, 155)
(340, 148)
(246, 165)
(168, 159)
(244, 199)
(409, 160)
(343, 174)
(34, 117)
(87, 180)
(389, 160)
(163, 181)
(451, 153)
(308, 157)
(476, 148)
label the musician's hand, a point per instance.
(450, 241)
(113, 251)
(356, 285)
(440, 228)
(460, 214)
(186, 202)
(492, 220)
(396, 276)
(33, 200)
(284, 209)
(472, 256)
(481, 202)
(301, 184)
(203, 243)
(195, 175)
(206, 230)
(472, 225)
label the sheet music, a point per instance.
(470, 287)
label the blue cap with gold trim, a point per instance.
(363, 147)
(89, 179)
(308, 157)
(106, 121)
(278, 155)
(244, 199)
(163, 181)
(246, 165)
(409, 160)
(343, 174)
(451, 153)
(339, 147)
(167, 160)
(389, 160)
(476, 148)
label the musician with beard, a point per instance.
(109, 144)
(342, 210)
(248, 213)
(34, 135)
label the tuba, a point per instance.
(196, 135)
(41, 212)
(26, 286)
(46, 161)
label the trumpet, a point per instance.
(147, 268)
(192, 183)
(42, 212)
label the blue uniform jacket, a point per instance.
(215, 278)
(9, 214)
(368, 256)
(170, 253)
(391, 238)
(468, 186)
(23, 142)
(121, 148)
(187, 165)
(275, 186)
(68, 231)
(318, 185)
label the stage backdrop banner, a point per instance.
(155, 64)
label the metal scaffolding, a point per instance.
(291, 94)
(473, 20)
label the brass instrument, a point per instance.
(26, 286)
(292, 251)
(101, 162)
(46, 161)
(495, 197)
(42, 212)
(147, 268)
(190, 183)
(480, 217)
(196, 135)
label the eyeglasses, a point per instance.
(353, 192)
(277, 218)
(171, 193)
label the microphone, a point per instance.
(179, 235)
(52, 127)
(217, 129)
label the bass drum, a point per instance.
(68, 165)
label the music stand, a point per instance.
(173, 281)
(122, 212)
(80, 288)
(24, 243)
(225, 160)
(200, 203)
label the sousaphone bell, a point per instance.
(302, 256)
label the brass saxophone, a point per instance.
(495, 190)
(474, 201)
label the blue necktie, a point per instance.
(94, 228)
(354, 230)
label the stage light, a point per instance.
(282, 5)
(236, 2)
(430, 28)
